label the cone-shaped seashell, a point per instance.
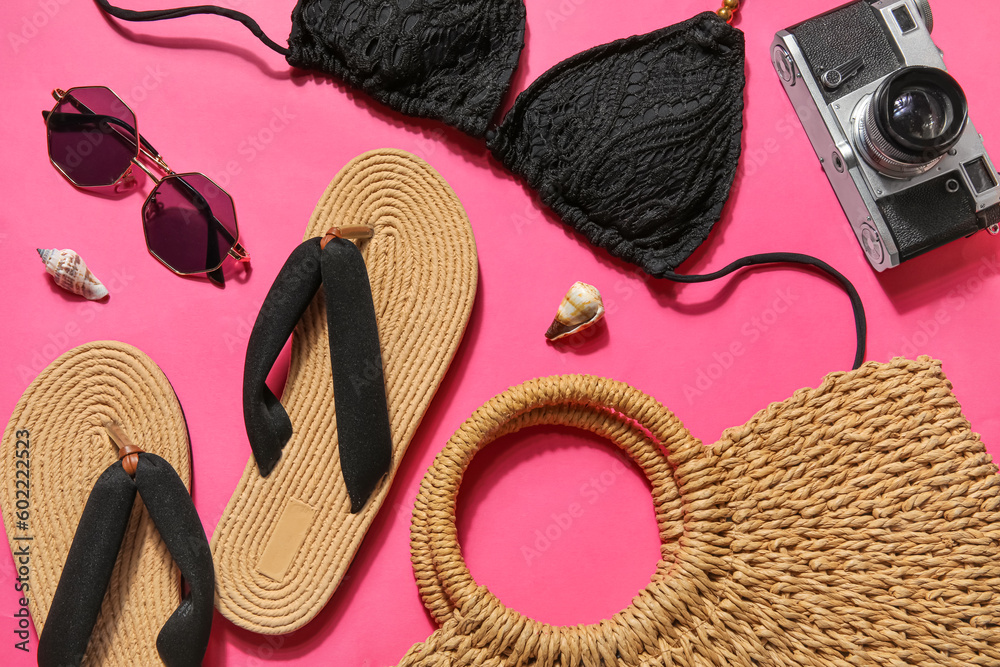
(581, 307)
(71, 273)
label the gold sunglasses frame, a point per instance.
(236, 251)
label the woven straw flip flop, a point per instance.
(295, 521)
(56, 446)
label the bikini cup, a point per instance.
(634, 143)
(446, 60)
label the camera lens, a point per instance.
(921, 115)
(915, 116)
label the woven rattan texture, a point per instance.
(853, 524)
(423, 270)
(63, 412)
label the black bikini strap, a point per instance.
(161, 14)
(362, 412)
(84, 581)
(860, 323)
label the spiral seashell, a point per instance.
(580, 308)
(71, 273)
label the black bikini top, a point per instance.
(634, 143)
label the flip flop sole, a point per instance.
(54, 448)
(284, 542)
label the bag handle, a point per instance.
(691, 532)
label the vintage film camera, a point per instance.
(890, 127)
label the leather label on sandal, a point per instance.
(286, 539)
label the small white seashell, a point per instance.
(580, 308)
(71, 273)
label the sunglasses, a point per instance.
(189, 222)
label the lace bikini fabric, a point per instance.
(451, 61)
(634, 143)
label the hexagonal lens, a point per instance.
(190, 223)
(92, 136)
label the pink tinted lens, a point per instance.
(190, 223)
(92, 136)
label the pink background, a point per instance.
(204, 88)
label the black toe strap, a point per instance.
(77, 602)
(362, 414)
(184, 637)
(358, 384)
(267, 423)
(85, 577)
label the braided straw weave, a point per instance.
(853, 524)
(423, 271)
(63, 412)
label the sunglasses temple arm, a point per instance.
(149, 147)
(212, 258)
(58, 119)
(88, 117)
(237, 251)
(86, 111)
(217, 277)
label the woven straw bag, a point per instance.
(853, 524)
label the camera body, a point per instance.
(889, 126)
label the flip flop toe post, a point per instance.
(100, 575)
